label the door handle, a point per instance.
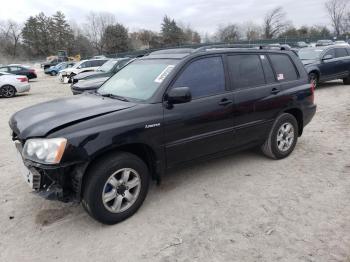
(225, 102)
(275, 91)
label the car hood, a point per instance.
(309, 61)
(41, 119)
(89, 74)
(90, 84)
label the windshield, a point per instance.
(309, 54)
(138, 80)
(106, 67)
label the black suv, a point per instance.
(159, 112)
(325, 63)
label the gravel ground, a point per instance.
(242, 207)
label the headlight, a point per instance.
(46, 151)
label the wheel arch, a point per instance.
(9, 85)
(298, 114)
(145, 152)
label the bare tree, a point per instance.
(96, 26)
(251, 31)
(274, 23)
(228, 33)
(10, 36)
(337, 10)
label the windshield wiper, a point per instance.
(115, 97)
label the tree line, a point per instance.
(101, 33)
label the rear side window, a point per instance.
(3, 69)
(204, 77)
(269, 74)
(245, 71)
(284, 67)
(340, 52)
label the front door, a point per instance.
(203, 126)
(330, 67)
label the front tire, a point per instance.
(7, 91)
(116, 187)
(282, 137)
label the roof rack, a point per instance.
(242, 46)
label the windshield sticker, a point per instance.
(164, 74)
(280, 77)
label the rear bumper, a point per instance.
(308, 114)
(21, 88)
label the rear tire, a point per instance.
(282, 137)
(346, 80)
(115, 188)
(8, 91)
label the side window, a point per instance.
(246, 71)
(14, 68)
(330, 52)
(85, 64)
(284, 67)
(340, 52)
(204, 77)
(269, 74)
(100, 62)
(94, 63)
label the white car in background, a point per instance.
(10, 85)
(66, 75)
(341, 42)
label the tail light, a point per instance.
(22, 79)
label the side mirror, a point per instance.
(179, 95)
(327, 57)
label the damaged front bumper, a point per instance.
(52, 182)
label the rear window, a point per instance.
(284, 67)
(245, 71)
(340, 52)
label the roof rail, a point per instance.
(218, 46)
(248, 46)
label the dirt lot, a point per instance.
(243, 207)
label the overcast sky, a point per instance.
(202, 15)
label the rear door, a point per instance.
(203, 126)
(258, 93)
